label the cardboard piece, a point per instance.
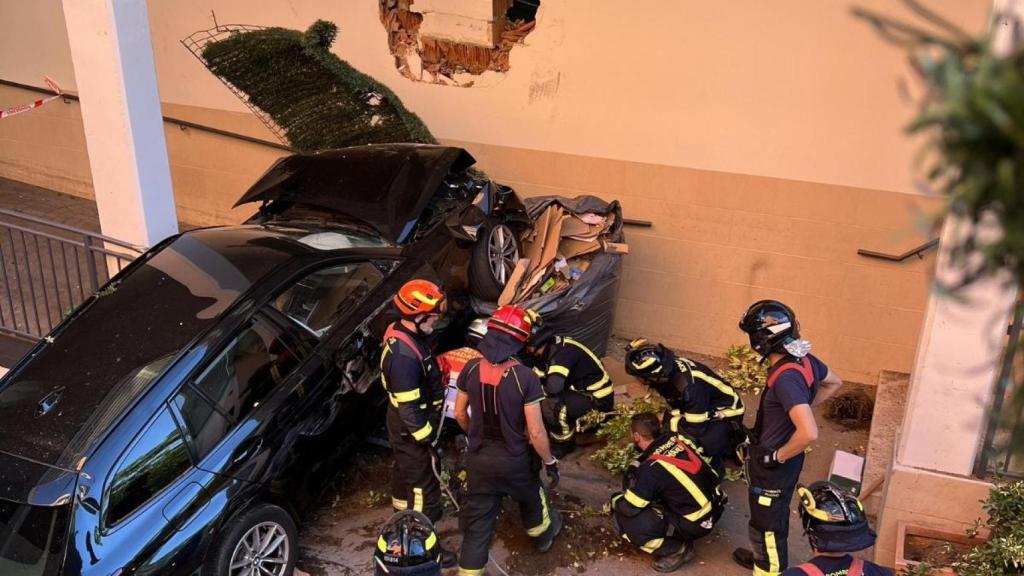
(569, 248)
(615, 247)
(514, 280)
(543, 251)
(847, 471)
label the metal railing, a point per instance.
(900, 257)
(47, 269)
(1002, 450)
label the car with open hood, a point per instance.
(183, 416)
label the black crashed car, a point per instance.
(181, 418)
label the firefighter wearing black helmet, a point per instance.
(407, 546)
(836, 525)
(575, 383)
(703, 404)
(784, 428)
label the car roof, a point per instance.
(75, 384)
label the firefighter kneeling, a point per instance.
(672, 496)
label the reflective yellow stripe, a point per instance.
(691, 487)
(596, 360)
(559, 370)
(773, 552)
(603, 392)
(382, 544)
(422, 433)
(399, 504)
(730, 412)
(760, 572)
(417, 499)
(652, 545)
(563, 421)
(696, 418)
(539, 529)
(646, 363)
(431, 540)
(734, 409)
(599, 384)
(470, 572)
(635, 500)
(764, 501)
(673, 423)
(410, 396)
(538, 372)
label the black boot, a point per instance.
(673, 562)
(449, 559)
(743, 557)
(548, 538)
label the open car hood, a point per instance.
(384, 186)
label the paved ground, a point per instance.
(338, 538)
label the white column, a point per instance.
(963, 339)
(116, 78)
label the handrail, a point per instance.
(900, 257)
(169, 119)
(66, 228)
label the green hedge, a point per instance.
(318, 99)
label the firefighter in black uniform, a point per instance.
(412, 379)
(672, 496)
(703, 404)
(785, 427)
(498, 405)
(575, 382)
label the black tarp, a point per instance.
(585, 310)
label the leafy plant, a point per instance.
(618, 450)
(746, 371)
(1003, 554)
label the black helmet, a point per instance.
(771, 325)
(407, 541)
(648, 361)
(476, 332)
(834, 519)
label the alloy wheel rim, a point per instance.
(502, 252)
(264, 550)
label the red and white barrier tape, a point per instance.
(33, 105)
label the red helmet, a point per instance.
(512, 320)
(419, 297)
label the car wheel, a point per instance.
(494, 258)
(260, 542)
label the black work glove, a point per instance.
(770, 459)
(551, 469)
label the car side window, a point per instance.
(320, 299)
(249, 368)
(205, 424)
(157, 458)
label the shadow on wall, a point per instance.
(452, 43)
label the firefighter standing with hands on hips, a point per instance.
(416, 392)
(575, 383)
(703, 404)
(498, 405)
(785, 427)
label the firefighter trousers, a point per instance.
(562, 411)
(415, 483)
(652, 532)
(770, 491)
(493, 474)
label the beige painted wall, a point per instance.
(793, 89)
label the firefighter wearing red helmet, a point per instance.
(498, 405)
(411, 376)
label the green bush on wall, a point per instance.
(319, 100)
(1003, 554)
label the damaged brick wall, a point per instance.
(457, 47)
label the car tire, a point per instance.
(494, 258)
(256, 525)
